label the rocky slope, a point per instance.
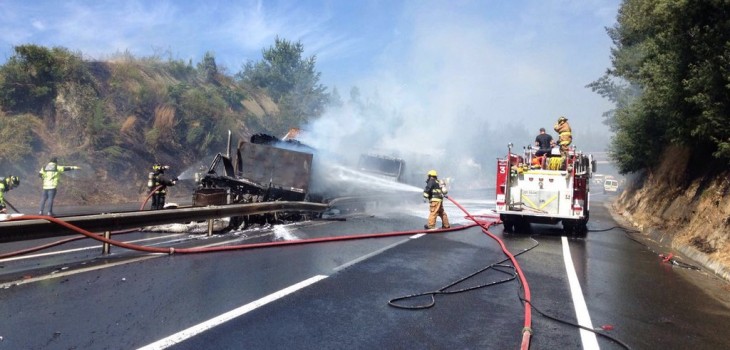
(685, 208)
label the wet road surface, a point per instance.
(128, 300)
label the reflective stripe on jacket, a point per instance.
(3, 188)
(564, 130)
(159, 179)
(433, 191)
(50, 174)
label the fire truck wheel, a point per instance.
(575, 228)
(522, 226)
(509, 225)
(568, 228)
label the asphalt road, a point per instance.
(336, 295)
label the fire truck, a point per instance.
(548, 189)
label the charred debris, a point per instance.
(266, 168)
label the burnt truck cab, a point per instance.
(548, 190)
(263, 169)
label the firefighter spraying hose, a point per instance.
(483, 221)
(157, 183)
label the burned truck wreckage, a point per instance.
(267, 169)
(264, 169)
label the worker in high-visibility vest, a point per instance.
(566, 138)
(434, 195)
(50, 175)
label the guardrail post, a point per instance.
(106, 247)
(210, 227)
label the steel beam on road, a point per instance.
(33, 229)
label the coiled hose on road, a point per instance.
(526, 332)
(485, 225)
(485, 222)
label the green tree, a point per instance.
(334, 99)
(207, 68)
(290, 79)
(676, 54)
(31, 77)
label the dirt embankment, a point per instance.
(683, 208)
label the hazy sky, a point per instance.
(463, 70)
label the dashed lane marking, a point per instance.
(99, 267)
(370, 255)
(218, 320)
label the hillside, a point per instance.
(116, 118)
(683, 206)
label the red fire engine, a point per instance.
(550, 189)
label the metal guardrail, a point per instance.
(33, 229)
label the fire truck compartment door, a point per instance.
(543, 201)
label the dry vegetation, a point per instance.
(692, 213)
(129, 114)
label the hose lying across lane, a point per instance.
(484, 224)
(71, 239)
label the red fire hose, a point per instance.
(71, 239)
(172, 250)
(527, 329)
(484, 224)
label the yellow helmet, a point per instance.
(432, 173)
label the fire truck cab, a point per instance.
(550, 189)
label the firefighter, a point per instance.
(158, 182)
(50, 175)
(434, 194)
(7, 184)
(542, 142)
(565, 139)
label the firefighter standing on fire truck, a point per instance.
(434, 194)
(566, 138)
(158, 183)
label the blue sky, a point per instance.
(458, 64)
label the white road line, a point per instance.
(370, 255)
(218, 320)
(77, 271)
(99, 267)
(79, 249)
(581, 310)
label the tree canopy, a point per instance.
(290, 79)
(670, 80)
(129, 110)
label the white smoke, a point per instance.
(453, 89)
